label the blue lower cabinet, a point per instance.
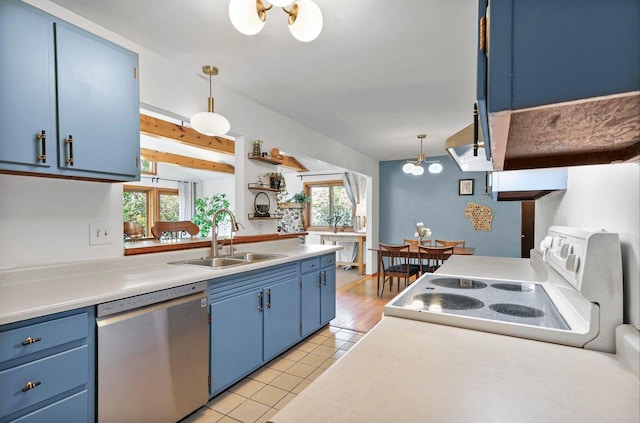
(47, 368)
(254, 317)
(318, 292)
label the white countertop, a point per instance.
(411, 371)
(33, 292)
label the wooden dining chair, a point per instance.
(393, 262)
(432, 258)
(450, 243)
(412, 241)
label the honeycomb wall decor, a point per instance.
(480, 216)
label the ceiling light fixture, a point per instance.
(305, 17)
(210, 123)
(414, 166)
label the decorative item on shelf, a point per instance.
(210, 123)
(261, 205)
(414, 166)
(276, 180)
(275, 154)
(304, 17)
(299, 198)
(422, 232)
(256, 148)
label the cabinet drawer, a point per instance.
(310, 265)
(72, 409)
(56, 374)
(328, 260)
(41, 336)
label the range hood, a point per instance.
(466, 148)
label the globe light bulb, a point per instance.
(408, 167)
(418, 170)
(308, 24)
(211, 124)
(244, 16)
(435, 168)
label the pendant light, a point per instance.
(414, 167)
(210, 123)
(305, 17)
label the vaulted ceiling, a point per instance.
(379, 73)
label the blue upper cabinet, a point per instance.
(70, 102)
(559, 81)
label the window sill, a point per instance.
(157, 246)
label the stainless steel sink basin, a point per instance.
(229, 261)
(256, 256)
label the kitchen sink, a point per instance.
(238, 259)
(256, 256)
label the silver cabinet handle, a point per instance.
(29, 340)
(30, 385)
(268, 298)
(319, 279)
(324, 277)
(260, 307)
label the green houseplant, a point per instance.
(206, 208)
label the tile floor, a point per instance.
(259, 396)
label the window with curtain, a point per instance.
(329, 203)
(146, 205)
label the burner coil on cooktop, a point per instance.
(517, 310)
(458, 283)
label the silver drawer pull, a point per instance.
(30, 340)
(30, 385)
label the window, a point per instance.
(329, 204)
(145, 205)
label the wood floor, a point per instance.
(358, 306)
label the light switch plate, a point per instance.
(99, 234)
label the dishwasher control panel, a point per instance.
(125, 304)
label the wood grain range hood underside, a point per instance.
(598, 130)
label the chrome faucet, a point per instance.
(214, 232)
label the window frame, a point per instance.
(153, 203)
(307, 212)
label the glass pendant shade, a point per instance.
(408, 168)
(244, 16)
(418, 170)
(308, 23)
(435, 168)
(209, 123)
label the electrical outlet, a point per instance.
(99, 234)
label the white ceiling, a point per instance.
(379, 73)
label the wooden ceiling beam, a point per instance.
(292, 163)
(161, 128)
(184, 161)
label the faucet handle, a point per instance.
(236, 229)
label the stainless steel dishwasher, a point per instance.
(153, 356)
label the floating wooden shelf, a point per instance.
(263, 188)
(266, 159)
(254, 217)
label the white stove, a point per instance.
(569, 292)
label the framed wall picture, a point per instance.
(465, 187)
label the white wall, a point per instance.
(46, 221)
(602, 197)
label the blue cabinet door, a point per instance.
(97, 104)
(310, 307)
(328, 295)
(281, 317)
(236, 338)
(27, 88)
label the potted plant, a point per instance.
(300, 198)
(205, 209)
(276, 180)
(256, 148)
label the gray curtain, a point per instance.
(355, 185)
(187, 199)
